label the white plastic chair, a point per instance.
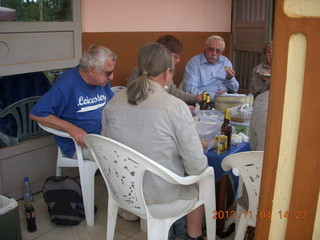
(87, 170)
(26, 128)
(249, 166)
(123, 169)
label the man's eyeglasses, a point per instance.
(219, 51)
(108, 74)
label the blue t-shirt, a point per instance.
(75, 101)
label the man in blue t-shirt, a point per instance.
(74, 103)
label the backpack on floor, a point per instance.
(64, 198)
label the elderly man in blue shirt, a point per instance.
(210, 71)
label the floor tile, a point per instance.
(48, 231)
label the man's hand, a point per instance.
(77, 134)
(230, 73)
(60, 124)
(222, 91)
(264, 76)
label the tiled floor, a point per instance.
(49, 231)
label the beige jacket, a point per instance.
(162, 128)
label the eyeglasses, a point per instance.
(218, 50)
(109, 73)
(176, 56)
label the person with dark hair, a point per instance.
(261, 74)
(160, 126)
(175, 46)
(74, 103)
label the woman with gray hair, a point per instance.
(148, 119)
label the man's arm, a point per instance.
(60, 124)
(231, 81)
(185, 96)
(191, 77)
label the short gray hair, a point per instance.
(96, 57)
(215, 37)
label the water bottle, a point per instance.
(28, 205)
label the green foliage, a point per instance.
(29, 10)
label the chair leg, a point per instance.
(239, 210)
(158, 229)
(210, 222)
(111, 219)
(242, 228)
(87, 174)
(58, 171)
(143, 225)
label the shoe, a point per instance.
(227, 233)
(127, 216)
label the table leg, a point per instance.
(223, 195)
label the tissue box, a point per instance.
(220, 144)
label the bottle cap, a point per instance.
(26, 179)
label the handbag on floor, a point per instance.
(64, 198)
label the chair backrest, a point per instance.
(249, 165)
(26, 128)
(123, 169)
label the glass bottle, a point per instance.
(226, 128)
(28, 205)
(203, 103)
(208, 102)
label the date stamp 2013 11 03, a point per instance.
(299, 214)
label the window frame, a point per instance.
(67, 34)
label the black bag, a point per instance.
(64, 198)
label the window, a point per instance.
(53, 43)
(38, 10)
(38, 40)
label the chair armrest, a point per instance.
(187, 180)
(55, 131)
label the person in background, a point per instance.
(260, 78)
(257, 135)
(75, 102)
(258, 122)
(166, 131)
(175, 46)
(210, 71)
